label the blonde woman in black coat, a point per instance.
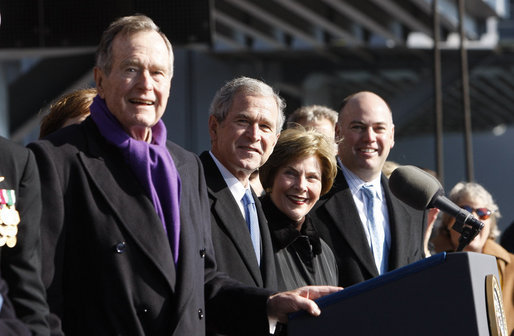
(301, 168)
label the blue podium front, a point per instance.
(441, 295)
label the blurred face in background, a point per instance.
(322, 125)
(478, 243)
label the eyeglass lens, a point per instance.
(483, 213)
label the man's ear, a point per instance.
(276, 139)
(213, 127)
(392, 137)
(99, 76)
(338, 135)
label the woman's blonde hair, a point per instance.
(295, 143)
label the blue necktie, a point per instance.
(253, 223)
(376, 231)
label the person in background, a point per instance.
(369, 230)
(318, 117)
(300, 169)
(432, 218)
(126, 235)
(475, 199)
(507, 238)
(389, 167)
(71, 108)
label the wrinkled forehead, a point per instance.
(142, 40)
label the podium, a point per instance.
(446, 294)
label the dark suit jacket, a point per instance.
(107, 261)
(338, 222)
(9, 324)
(21, 265)
(230, 236)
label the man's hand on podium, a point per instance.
(283, 303)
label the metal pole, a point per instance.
(438, 96)
(465, 97)
(41, 23)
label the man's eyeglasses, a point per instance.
(482, 213)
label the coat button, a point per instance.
(120, 247)
(200, 314)
(143, 311)
(202, 253)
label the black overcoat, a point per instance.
(21, 265)
(230, 235)
(107, 262)
(337, 220)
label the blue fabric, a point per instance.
(152, 165)
(376, 231)
(253, 223)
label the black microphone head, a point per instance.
(414, 186)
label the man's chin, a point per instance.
(369, 164)
(249, 166)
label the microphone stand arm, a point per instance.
(468, 228)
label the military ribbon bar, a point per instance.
(7, 196)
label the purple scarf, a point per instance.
(151, 163)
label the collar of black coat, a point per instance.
(283, 229)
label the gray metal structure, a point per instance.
(313, 52)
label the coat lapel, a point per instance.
(226, 209)
(343, 212)
(400, 222)
(187, 268)
(128, 201)
(268, 258)
(232, 220)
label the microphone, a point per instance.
(421, 191)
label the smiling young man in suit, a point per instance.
(245, 120)
(373, 234)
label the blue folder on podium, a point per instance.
(441, 295)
